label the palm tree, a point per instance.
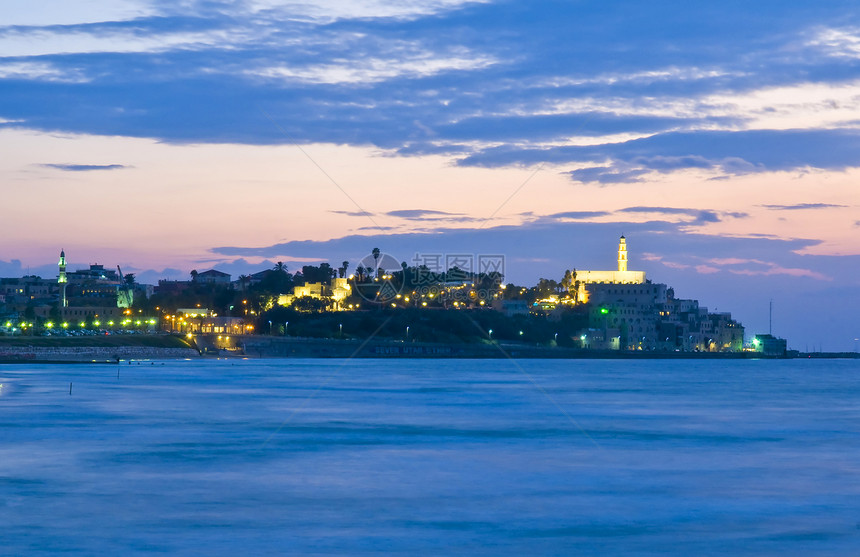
(243, 281)
(194, 274)
(280, 267)
(375, 253)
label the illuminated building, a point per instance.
(62, 279)
(337, 290)
(629, 312)
(581, 279)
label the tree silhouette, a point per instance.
(376, 253)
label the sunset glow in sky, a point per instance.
(723, 139)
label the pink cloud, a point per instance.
(735, 261)
(706, 269)
(672, 265)
(776, 270)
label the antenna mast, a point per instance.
(770, 319)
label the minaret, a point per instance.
(63, 280)
(622, 255)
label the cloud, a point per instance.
(672, 73)
(84, 167)
(777, 270)
(578, 215)
(705, 269)
(40, 71)
(62, 12)
(594, 243)
(607, 175)
(700, 216)
(802, 206)
(21, 42)
(431, 215)
(379, 228)
(765, 268)
(371, 70)
(598, 123)
(354, 213)
(326, 11)
(837, 42)
(419, 213)
(733, 153)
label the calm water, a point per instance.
(432, 457)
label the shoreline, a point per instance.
(258, 347)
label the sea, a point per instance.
(431, 457)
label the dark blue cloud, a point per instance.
(84, 167)
(578, 215)
(553, 126)
(353, 213)
(802, 206)
(699, 216)
(733, 152)
(419, 213)
(606, 175)
(579, 55)
(426, 215)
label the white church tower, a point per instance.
(622, 255)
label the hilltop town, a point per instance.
(618, 310)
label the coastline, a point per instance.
(168, 347)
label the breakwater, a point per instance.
(292, 347)
(10, 354)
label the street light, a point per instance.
(340, 329)
(407, 332)
(491, 334)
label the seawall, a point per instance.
(11, 354)
(291, 347)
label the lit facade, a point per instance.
(580, 280)
(337, 290)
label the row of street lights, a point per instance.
(24, 325)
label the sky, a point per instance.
(721, 138)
